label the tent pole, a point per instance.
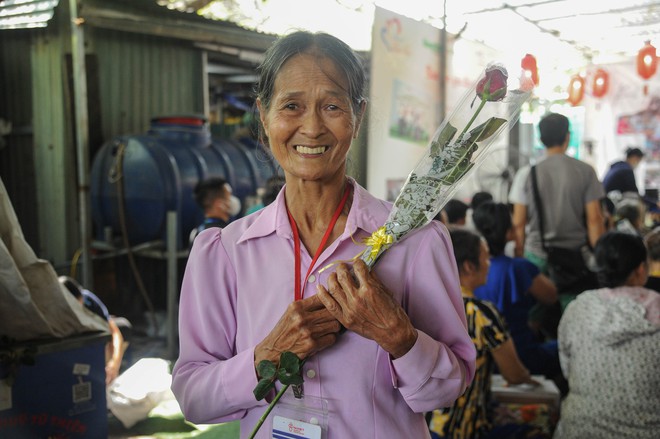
(82, 138)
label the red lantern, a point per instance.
(601, 83)
(576, 90)
(528, 64)
(647, 61)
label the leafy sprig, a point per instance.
(288, 373)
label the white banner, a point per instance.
(404, 101)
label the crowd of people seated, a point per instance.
(597, 340)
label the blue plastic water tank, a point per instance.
(160, 170)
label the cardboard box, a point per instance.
(61, 396)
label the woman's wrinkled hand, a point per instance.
(363, 305)
(305, 328)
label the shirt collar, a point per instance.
(367, 213)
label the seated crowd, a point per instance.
(573, 282)
(597, 350)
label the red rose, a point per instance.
(492, 87)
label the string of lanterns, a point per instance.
(647, 65)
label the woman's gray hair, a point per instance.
(307, 42)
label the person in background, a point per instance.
(272, 188)
(470, 416)
(570, 193)
(620, 184)
(515, 286)
(621, 175)
(607, 208)
(652, 242)
(628, 217)
(214, 196)
(117, 345)
(246, 298)
(609, 347)
(652, 219)
(477, 199)
(456, 212)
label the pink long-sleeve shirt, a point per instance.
(238, 283)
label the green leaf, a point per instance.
(288, 373)
(262, 388)
(290, 362)
(460, 170)
(486, 129)
(266, 369)
(287, 377)
(443, 140)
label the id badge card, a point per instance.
(300, 418)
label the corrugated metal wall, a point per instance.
(141, 77)
(131, 78)
(38, 163)
(16, 157)
(54, 147)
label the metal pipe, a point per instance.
(443, 63)
(82, 139)
(172, 276)
(205, 85)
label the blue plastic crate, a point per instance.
(61, 396)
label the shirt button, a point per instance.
(311, 373)
(311, 279)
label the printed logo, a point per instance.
(392, 38)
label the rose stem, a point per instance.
(474, 116)
(268, 410)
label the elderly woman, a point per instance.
(609, 347)
(259, 287)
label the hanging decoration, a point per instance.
(576, 90)
(601, 83)
(647, 63)
(528, 64)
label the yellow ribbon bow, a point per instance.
(377, 240)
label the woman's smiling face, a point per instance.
(310, 123)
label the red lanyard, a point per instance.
(326, 236)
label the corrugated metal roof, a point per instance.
(26, 14)
(146, 17)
